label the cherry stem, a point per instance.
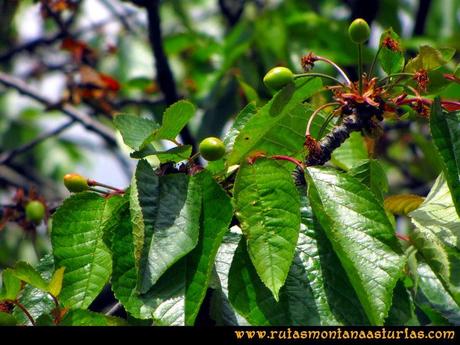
(371, 70)
(321, 75)
(333, 64)
(402, 237)
(191, 159)
(360, 67)
(97, 190)
(402, 74)
(25, 311)
(99, 184)
(289, 159)
(312, 117)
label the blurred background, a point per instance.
(68, 66)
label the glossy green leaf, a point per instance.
(437, 215)
(241, 120)
(267, 206)
(216, 215)
(361, 235)
(333, 297)
(11, 285)
(80, 317)
(165, 301)
(430, 58)
(144, 192)
(370, 173)
(402, 311)
(279, 126)
(134, 130)
(391, 56)
(351, 152)
(175, 118)
(432, 294)
(124, 275)
(55, 284)
(167, 296)
(255, 302)
(28, 274)
(77, 239)
(433, 252)
(176, 154)
(223, 262)
(36, 301)
(171, 216)
(445, 129)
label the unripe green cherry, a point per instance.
(212, 149)
(35, 211)
(75, 183)
(278, 77)
(359, 31)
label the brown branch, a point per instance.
(25, 311)
(5, 157)
(164, 73)
(67, 109)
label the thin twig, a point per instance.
(67, 109)
(9, 155)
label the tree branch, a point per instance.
(164, 74)
(422, 14)
(67, 109)
(5, 157)
(232, 13)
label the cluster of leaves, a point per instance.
(267, 251)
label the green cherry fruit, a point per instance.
(75, 183)
(35, 211)
(359, 31)
(278, 77)
(212, 149)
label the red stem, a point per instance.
(25, 311)
(289, 159)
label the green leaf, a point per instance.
(79, 317)
(267, 206)
(7, 319)
(175, 118)
(432, 251)
(361, 235)
(391, 55)
(351, 152)
(402, 310)
(437, 214)
(241, 120)
(216, 215)
(144, 192)
(11, 285)
(430, 58)
(36, 301)
(28, 274)
(134, 130)
(124, 275)
(55, 284)
(334, 299)
(445, 129)
(370, 173)
(279, 126)
(77, 239)
(167, 296)
(171, 216)
(255, 302)
(176, 154)
(432, 294)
